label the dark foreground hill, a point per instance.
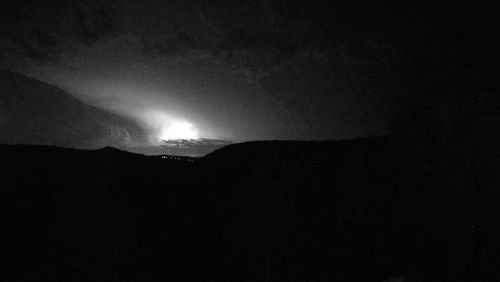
(359, 210)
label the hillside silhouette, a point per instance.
(355, 210)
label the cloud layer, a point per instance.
(183, 147)
(245, 70)
(32, 112)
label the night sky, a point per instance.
(142, 74)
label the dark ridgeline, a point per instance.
(422, 203)
(358, 210)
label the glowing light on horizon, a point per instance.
(178, 130)
(163, 126)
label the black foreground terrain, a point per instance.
(358, 210)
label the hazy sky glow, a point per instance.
(117, 76)
(136, 88)
(244, 70)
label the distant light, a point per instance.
(178, 130)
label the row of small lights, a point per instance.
(175, 158)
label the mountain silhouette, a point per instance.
(354, 210)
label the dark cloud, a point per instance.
(45, 40)
(266, 69)
(202, 142)
(91, 25)
(183, 147)
(265, 32)
(32, 112)
(27, 49)
(42, 30)
(30, 26)
(179, 42)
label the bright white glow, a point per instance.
(164, 127)
(178, 130)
